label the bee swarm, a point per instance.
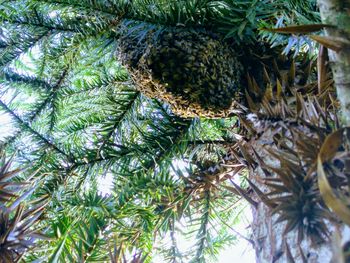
(196, 73)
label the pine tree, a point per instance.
(129, 88)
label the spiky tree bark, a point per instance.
(281, 242)
(291, 223)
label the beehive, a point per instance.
(197, 73)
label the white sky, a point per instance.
(241, 252)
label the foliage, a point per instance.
(77, 117)
(17, 215)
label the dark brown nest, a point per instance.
(197, 73)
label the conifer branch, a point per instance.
(81, 6)
(17, 78)
(49, 28)
(33, 115)
(25, 126)
(203, 231)
(118, 121)
(6, 60)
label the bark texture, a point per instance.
(337, 13)
(271, 245)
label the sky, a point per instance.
(240, 252)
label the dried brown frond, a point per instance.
(333, 169)
(16, 218)
(8, 188)
(216, 176)
(289, 123)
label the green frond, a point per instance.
(78, 116)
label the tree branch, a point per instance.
(27, 127)
(118, 121)
(41, 106)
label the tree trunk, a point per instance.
(262, 153)
(337, 13)
(267, 156)
(271, 245)
(290, 221)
